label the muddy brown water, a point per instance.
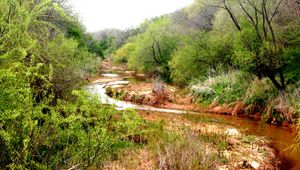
(281, 138)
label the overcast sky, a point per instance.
(122, 14)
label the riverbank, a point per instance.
(192, 143)
(146, 91)
(174, 98)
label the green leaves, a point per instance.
(152, 49)
(41, 127)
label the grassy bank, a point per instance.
(241, 94)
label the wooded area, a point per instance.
(220, 51)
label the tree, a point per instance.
(200, 53)
(258, 48)
(123, 53)
(153, 48)
(195, 17)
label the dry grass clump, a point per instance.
(185, 151)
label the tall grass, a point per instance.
(224, 88)
(186, 149)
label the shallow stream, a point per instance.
(281, 138)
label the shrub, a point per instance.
(70, 65)
(82, 133)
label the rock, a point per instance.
(146, 92)
(218, 109)
(118, 83)
(240, 164)
(222, 110)
(256, 116)
(255, 164)
(232, 132)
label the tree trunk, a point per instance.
(278, 86)
(282, 80)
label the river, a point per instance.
(281, 138)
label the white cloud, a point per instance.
(122, 14)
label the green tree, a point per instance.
(43, 125)
(201, 53)
(153, 48)
(258, 47)
(123, 53)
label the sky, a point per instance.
(122, 14)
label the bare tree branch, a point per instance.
(252, 21)
(276, 10)
(254, 6)
(154, 53)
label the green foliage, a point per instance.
(14, 90)
(190, 61)
(83, 132)
(259, 92)
(40, 68)
(123, 53)
(70, 64)
(255, 56)
(234, 86)
(291, 55)
(153, 48)
(76, 31)
(201, 53)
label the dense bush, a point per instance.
(82, 133)
(45, 123)
(70, 65)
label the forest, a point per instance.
(222, 57)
